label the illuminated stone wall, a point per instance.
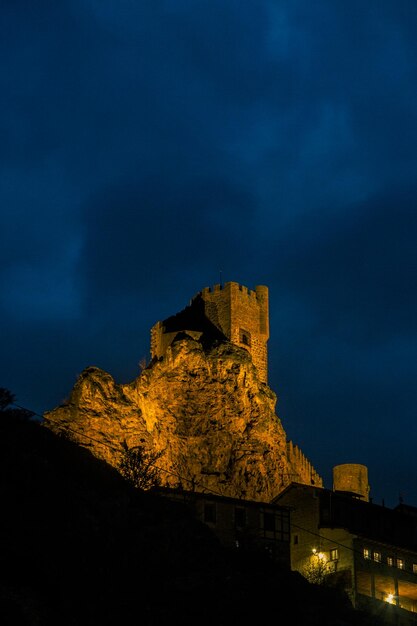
(300, 467)
(243, 316)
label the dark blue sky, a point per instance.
(147, 146)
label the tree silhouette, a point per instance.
(138, 467)
(7, 400)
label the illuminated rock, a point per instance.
(204, 407)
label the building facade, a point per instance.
(244, 525)
(368, 550)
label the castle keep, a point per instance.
(229, 312)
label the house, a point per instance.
(240, 524)
(368, 550)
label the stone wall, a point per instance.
(301, 468)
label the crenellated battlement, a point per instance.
(240, 314)
(304, 472)
(232, 287)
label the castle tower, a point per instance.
(352, 478)
(243, 317)
(229, 311)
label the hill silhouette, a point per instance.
(81, 546)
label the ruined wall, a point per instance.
(161, 339)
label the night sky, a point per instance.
(153, 148)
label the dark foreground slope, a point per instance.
(79, 546)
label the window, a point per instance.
(366, 553)
(295, 540)
(334, 554)
(244, 337)
(400, 563)
(414, 568)
(269, 522)
(377, 557)
(390, 561)
(210, 513)
(240, 517)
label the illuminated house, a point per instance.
(368, 550)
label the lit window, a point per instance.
(414, 568)
(244, 337)
(366, 553)
(390, 561)
(400, 563)
(334, 554)
(377, 557)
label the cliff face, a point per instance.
(204, 409)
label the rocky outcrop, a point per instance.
(203, 408)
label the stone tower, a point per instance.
(230, 312)
(351, 478)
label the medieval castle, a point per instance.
(231, 312)
(212, 412)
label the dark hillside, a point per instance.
(79, 546)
